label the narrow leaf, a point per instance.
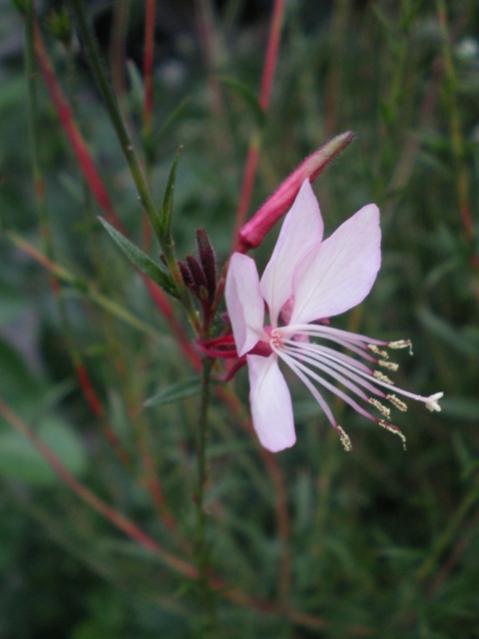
(172, 118)
(167, 207)
(247, 95)
(141, 260)
(181, 390)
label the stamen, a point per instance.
(432, 404)
(394, 430)
(398, 403)
(382, 377)
(384, 410)
(378, 351)
(295, 365)
(392, 366)
(344, 438)
(401, 343)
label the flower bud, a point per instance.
(254, 231)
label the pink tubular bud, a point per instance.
(254, 231)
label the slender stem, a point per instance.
(269, 67)
(455, 125)
(137, 173)
(120, 521)
(82, 286)
(205, 592)
(148, 58)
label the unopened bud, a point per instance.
(254, 231)
(207, 260)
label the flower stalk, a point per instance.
(205, 593)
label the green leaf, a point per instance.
(20, 461)
(450, 335)
(465, 408)
(181, 390)
(172, 118)
(141, 260)
(247, 95)
(136, 86)
(164, 225)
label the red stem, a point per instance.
(271, 57)
(97, 187)
(269, 67)
(129, 528)
(74, 136)
(134, 532)
(98, 410)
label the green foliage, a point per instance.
(380, 543)
(181, 390)
(141, 260)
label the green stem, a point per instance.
(205, 593)
(138, 175)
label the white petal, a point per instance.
(302, 229)
(244, 302)
(271, 405)
(342, 272)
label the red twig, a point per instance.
(271, 57)
(75, 138)
(134, 532)
(97, 187)
(269, 67)
(98, 410)
(148, 63)
(129, 528)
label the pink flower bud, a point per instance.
(254, 231)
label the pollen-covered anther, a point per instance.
(432, 403)
(401, 343)
(397, 403)
(378, 351)
(384, 410)
(391, 366)
(382, 377)
(394, 430)
(344, 438)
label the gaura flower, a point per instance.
(306, 281)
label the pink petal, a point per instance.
(342, 272)
(271, 405)
(301, 230)
(244, 302)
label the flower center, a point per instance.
(276, 338)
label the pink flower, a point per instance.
(307, 280)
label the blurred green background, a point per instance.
(380, 543)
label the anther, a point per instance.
(401, 343)
(394, 430)
(432, 403)
(384, 410)
(378, 351)
(344, 438)
(392, 366)
(398, 403)
(382, 377)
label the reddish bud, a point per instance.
(207, 259)
(254, 231)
